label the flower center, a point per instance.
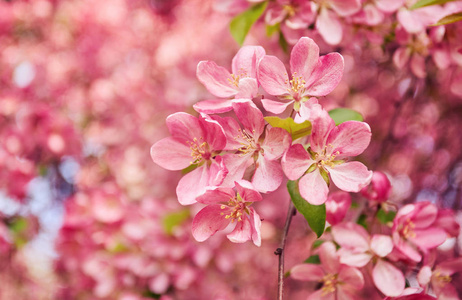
(238, 208)
(326, 157)
(289, 9)
(330, 282)
(408, 229)
(442, 279)
(234, 79)
(297, 86)
(199, 150)
(247, 141)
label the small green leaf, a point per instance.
(296, 130)
(313, 259)
(423, 3)
(272, 29)
(385, 217)
(174, 219)
(449, 19)
(340, 115)
(316, 244)
(241, 24)
(18, 225)
(362, 221)
(314, 214)
(283, 43)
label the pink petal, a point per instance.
(429, 238)
(388, 279)
(350, 176)
(251, 117)
(296, 162)
(351, 236)
(275, 107)
(243, 231)
(326, 76)
(232, 131)
(268, 175)
(273, 76)
(382, 245)
(213, 106)
(214, 134)
(277, 141)
(406, 248)
(321, 295)
(304, 57)
(246, 59)
(216, 196)
(216, 79)
(307, 272)
(313, 188)
(247, 191)
(352, 259)
(184, 126)
(350, 138)
(208, 221)
(321, 126)
(256, 227)
(329, 27)
(171, 154)
(345, 7)
(401, 57)
(424, 214)
(351, 277)
(248, 88)
(424, 276)
(410, 21)
(389, 6)
(418, 65)
(236, 166)
(328, 257)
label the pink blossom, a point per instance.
(311, 75)
(440, 278)
(358, 248)
(295, 14)
(413, 230)
(379, 189)
(337, 205)
(329, 147)
(241, 83)
(338, 281)
(257, 148)
(225, 206)
(194, 141)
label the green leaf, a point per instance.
(423, 3)
(172, 220)
(314, 214)
(296, 130)
(241, 24)
(385, 217)
(340, 115)
(272, 29)
(362, 221)
(316, 244)
(191, 168)
(313, 259)
(283, 43)
(449, 19)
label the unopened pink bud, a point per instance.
(379, 189)
(337, 205)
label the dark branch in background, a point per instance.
(280, 251)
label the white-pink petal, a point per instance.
(350, 138)
(313, 188)
(329, 27)
(304, 57)
(268, 175)
(296, 162)
(246, 59)
(388, 279)
(277, 141)
(381, 245)
(250, 117)
(171, 154)
(350, 176)
(242, 232)
(275, 107)
(216, 79)
(326, 76)
(307, 272)
(273, 77)
(214, 106)
(208, 221)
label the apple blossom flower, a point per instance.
(358, 249)
(413, 230)
(258, 147)
(440, 278)
(242, 83)
(311, 76)
(295, 14)
(330, 145)
(339, 281)
(225, 206)
(194, 141)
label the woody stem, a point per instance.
(280, 251)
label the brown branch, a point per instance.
(280, 251)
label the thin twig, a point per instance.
(280, 251)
